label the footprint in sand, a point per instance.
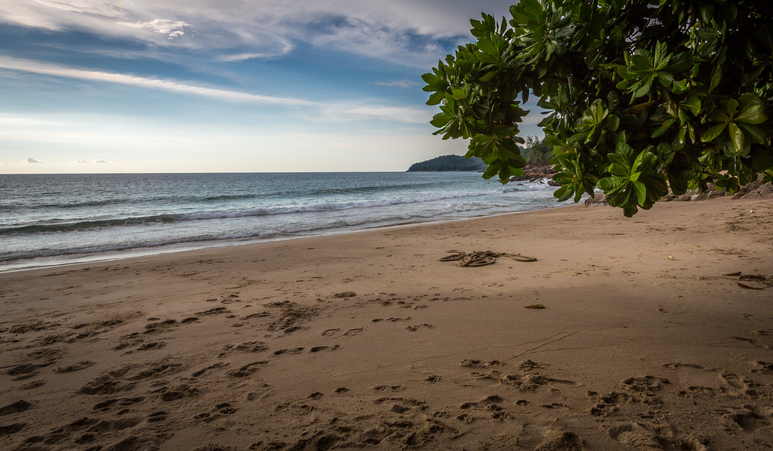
(474, 363)
(179, 392)
(416, 327)
(26, 371)
(747, 418)
(564, 441)
(388, 388)
(76, 367)
(156, 417)
(325, 348)
(11, 428)
(151, 346)
(351, 332)
(202, 371)
(17, 407)
(734, 381)
(329, 332)
(677, 365)
(121, 402)
(246, 370)
(163, 326)
(489, 400)
(289, 351)
(635, 435)
(217, 412)
(393, 320)
(753, 341)
(248, 346)
(213, 311)
(765, 367)
(33, 384)
(645, 384)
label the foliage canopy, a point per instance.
(641, 95)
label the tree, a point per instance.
(641, 95)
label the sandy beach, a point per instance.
(656, 333)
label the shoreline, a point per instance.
(64, 260)
(366, 341)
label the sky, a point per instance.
(121, 86)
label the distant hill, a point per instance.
(447, 163)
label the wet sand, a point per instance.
(655, 334)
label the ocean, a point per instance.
(56, 219)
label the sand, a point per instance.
(367, 341)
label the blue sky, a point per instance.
(224, 85)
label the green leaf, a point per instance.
(716, 77)
(712, 133)
(489, 76)
(611, 185)
(680, 63)
(491, 171)
(563, 193)
(641, 192)
(435, 98)
(693, 103)
(612, 123)
(440, 120)
(643, 90)
(752, 110)
(753, 133)
(619, 170)
(736, 135)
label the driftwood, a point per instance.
(482, 258)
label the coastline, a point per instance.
(65, 260)
(366, 340)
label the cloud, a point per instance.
(400, 83)
(82, 161)
(398, 114)
(100, 161)
(91, 7)
(61, 71)
(329, 111)
(33, 160)
(282, 47)
(405, 32)
(167, 27)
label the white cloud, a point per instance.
(33, 160)
(61, 71)
(329, 111)
(399, 114)
(162, 26)
(17, 121)
(405, 32)
(282, 47)
(100, 161)
(399, 83)
(92, 7)
(82, 161)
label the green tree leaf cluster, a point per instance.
(641, 95)
(536, 152)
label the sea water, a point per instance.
(64, 218)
